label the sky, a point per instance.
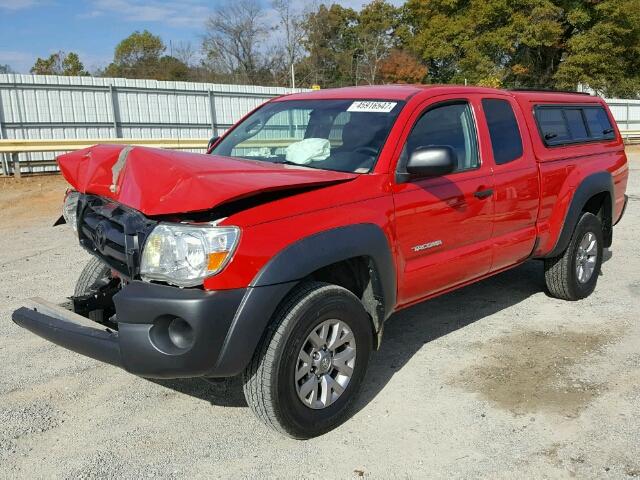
(92, 28)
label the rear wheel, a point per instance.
(574, 274)
(308, 369)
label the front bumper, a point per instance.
(142, 345)
(69, 330)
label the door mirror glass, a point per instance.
(432, 161)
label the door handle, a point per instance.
(483, 193)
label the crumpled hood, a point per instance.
(161, 182)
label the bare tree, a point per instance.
(185, 52)
(233, 39)
(291, 23)
(375, 38)
(374, 50)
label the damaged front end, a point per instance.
(96, 302)
(151, 329)
(158, 223)
(114, 234)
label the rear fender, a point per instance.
(592, 185)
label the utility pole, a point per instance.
(293, 76)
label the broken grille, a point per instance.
(114, 233)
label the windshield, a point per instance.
(342, 135)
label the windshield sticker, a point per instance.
(369, 106)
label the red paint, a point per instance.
(479, 236)
(160, 182)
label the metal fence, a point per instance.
(626, 113)
(54, 107)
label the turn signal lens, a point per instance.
(216, 260)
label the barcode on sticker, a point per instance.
(369, 106)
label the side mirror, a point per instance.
(432, 161)
(212, 141)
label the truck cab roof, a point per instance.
(405, 92)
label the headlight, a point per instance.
(184, 255)
(70, 209)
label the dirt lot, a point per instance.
(493, 381)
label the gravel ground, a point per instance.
(496, 380)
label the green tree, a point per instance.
(140, 55)
(59, 63)
(480, 41)
(330, 40)
(6, 69)
(71, 65)
(532, 43)
(170, 68)
(605, 53)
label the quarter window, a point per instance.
(577, 127)
(446, 125)
(503, 130)
(553, 126)
(567, 124)
(598, 123)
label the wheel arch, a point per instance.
(594, 195)
(313, 253)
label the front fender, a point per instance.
(295, 262)
(305, 256)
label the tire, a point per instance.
(563, 277)
(270, 385)
(94, 275)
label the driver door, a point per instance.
(443, 224)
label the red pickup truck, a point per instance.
(280, 254)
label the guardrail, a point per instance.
(631, 136)
(14, 147)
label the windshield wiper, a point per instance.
(283, 161)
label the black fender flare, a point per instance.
(593, 184)
(285, 270)
(307, 255)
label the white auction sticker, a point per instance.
(371, 106)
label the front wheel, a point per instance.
(574, 274)
(94, 276)
(308, 368)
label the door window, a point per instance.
(503, 130)
(450, 125)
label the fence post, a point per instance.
(16, 165)
(116, 111)
(212, 110)
(292, 127)
(4, 156)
